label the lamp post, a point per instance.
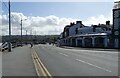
(31, 34)
(21, 30)
(26, 37)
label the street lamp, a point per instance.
(21, 30)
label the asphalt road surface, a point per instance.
(78, 62)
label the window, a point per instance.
(76, 31)
(116, 23)
(116, 33)
(116, 43)
(117, 13)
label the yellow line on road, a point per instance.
(35, 65)
(39, 66)
(41, 69)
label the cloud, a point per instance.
(116, 0)
(95, 20)
(48, 25)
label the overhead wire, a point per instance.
(5, 5)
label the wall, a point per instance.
(72, 29)
(88, 30)
(85, 30)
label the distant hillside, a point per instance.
(29, 38)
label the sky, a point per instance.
(62, 9)
(49, 18)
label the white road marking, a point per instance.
(93, 65)
(63, 54)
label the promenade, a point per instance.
(18, 62)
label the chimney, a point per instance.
(107, 22)
(78, 22)
(71, 24)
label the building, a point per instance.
(116, 25)
(79, 35)
(94, 36)
(101, 35)
(69, 31)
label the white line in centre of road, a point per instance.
(93, 65)
(63, 54)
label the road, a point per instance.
(78, 62)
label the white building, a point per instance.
(86, 36)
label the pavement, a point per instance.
(18, 62)
(76, 62)
(92, 48)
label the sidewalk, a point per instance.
(18, 62)
(82, 48)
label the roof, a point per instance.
(88, 35)
(85, 35)
(96, 34)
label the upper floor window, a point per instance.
(116, 23)
(117, 13)
(76, 31)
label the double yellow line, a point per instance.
(39, 66)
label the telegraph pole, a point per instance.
(35, 38)
(21, 32)
(31, 35)
(9, 43)
(35, 34)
